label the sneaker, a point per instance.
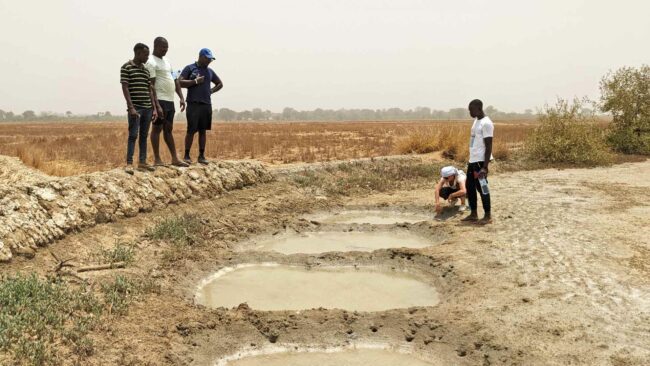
(203, 160)
(129, 169)
(146, 167)
(462, 208)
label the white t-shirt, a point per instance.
(161, 69)
(461, 177)
(480, 129)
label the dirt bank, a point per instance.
(561, 277)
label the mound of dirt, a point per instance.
(36, 209)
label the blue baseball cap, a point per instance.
(207, 53)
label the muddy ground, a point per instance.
(561, 277)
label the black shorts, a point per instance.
(168, 113)
(199, 117)
(445, 192)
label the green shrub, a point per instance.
(626, 95)
(567, 135)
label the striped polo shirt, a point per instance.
(137, 77)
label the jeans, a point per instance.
(138, 127)
(472, 186)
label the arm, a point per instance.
(217, 83)
(437, 192)
(154, 96)
(127, 96)
(184, 83)
(488, 155)
(180, 94)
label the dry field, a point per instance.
(63, 149)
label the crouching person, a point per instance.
(451, 187)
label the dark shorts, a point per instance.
(445, 192)
(199, 117)
(169, 112)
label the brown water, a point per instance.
(374, 217)
(345, 358)
(295, 288)
(321, 242)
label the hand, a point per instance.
(133, 112)
(483, 173)
(154, 115)
(183, 105)
(200, 79)
(438, 208)
(161, 112)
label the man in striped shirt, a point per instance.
(139, 97)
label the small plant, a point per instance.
(119, 294)
(567, 135)
(121, 252)
(180, 230)
(37, 314)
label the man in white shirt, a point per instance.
(480, 155)
(165, 85)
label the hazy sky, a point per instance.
(514, 54)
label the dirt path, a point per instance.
(561, 277)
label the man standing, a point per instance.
(480, 155)
(196, 78)
(165, 84)
(139, 97)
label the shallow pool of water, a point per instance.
(321, 242)
(374, 217)
(345, 358)
(280, 287)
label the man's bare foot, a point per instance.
(473, 217)
(487, 219)
(179, 163)
(158, 162)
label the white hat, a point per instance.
(448, 171)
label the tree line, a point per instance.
(291, 114)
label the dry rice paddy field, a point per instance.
(64, 148)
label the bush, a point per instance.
(567, 135)
(626, 95)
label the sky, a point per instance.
(65, 55)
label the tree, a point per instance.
(225, 114)
(29, 115)
(3, 115)
(625, 94)
(68, 114)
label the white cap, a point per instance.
(448, 171)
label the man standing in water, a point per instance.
(480, 155)
(196, 78)
(165, 84)
(139, 96)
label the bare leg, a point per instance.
(202, 139)
(189, 138)
(155, 143)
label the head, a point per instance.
(140, 53)
(205, 57)
(160, 47)
(476, 109)
(448, 173)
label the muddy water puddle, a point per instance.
(321, 242)
(275, 287)
(373, 217)
(344, 358)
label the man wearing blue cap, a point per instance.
(199, 103)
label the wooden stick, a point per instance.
(102, 267)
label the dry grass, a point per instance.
(64, 149)
(453, 140)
